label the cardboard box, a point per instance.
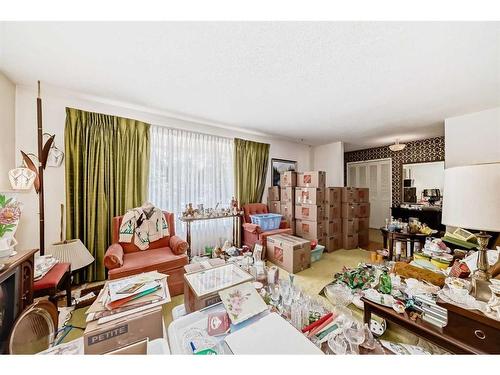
(287, 209)
(364, 209)
(118, 333)
(309, 212)
(310, 230)
(291, 253)
(333, 212)
(274, 207)
(291, 224)
(333, 195)
(333, 243)
(309, 196)
(287, 194)
(349, 241)
(364, 223)
(311, 179)
(350, 195)
(273, 193)
(363, 195)
(350, 210)
(363, 237)
(288, 179)
(333, 226)
(201, 289)
(350, 226)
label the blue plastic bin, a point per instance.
(267, 221)
(316, 253)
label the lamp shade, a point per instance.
(472, 197)
(71, 251)
(21, 178)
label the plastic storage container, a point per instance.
(316, 253)
(267, 221)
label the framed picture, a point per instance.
(278, 166)
(258, 252)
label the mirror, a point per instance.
(423, 183)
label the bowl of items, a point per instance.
(458, 286)
(339, 294)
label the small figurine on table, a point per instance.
(234, 206)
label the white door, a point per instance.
(376, 176)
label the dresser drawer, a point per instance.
(481, 336)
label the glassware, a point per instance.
(385, 284)
(275, 293)
(296, 315)
(369, 342)
(338, 344)
(355, 335)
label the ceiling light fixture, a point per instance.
(397, 146)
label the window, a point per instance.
(189, 167)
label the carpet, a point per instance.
(312, 281)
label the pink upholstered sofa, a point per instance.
(252, 233)
(167, 255)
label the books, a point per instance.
(129, 295)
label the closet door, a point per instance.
(376, 176)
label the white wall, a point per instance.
(54, 103)
(7, 131)
(473, 138)
(330, 158)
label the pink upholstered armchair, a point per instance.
(167, 255)
(252, 233)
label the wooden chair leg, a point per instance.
(68, 289)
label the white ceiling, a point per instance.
(364, 83)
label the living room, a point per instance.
(190, 187)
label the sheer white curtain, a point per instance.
(189, 167)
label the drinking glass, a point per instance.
(355, 334)
(338, 344)
(275, 293)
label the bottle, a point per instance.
(384, 282)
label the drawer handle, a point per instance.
(480, 334)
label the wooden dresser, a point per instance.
(17, 275)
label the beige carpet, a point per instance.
(311, 281)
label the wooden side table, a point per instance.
(445, 337)
(409, 238)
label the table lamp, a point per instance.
(472, 201)
(71, 251)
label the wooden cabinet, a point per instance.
(16, 285)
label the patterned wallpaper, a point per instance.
(425, 150)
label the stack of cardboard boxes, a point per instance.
(310, 221)
(281, 199)
(288, 182)
(333, 205)
(355, 214)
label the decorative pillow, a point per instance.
(178, 245)
(114, 257)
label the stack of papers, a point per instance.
(128, 296)
(43, 264)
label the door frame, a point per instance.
(369, 161)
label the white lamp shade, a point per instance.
(21, 178)
(472, 197)
(71, 251)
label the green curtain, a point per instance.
(107, 168)
(251, 161)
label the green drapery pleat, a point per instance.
(251, 161)
(107, 168)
